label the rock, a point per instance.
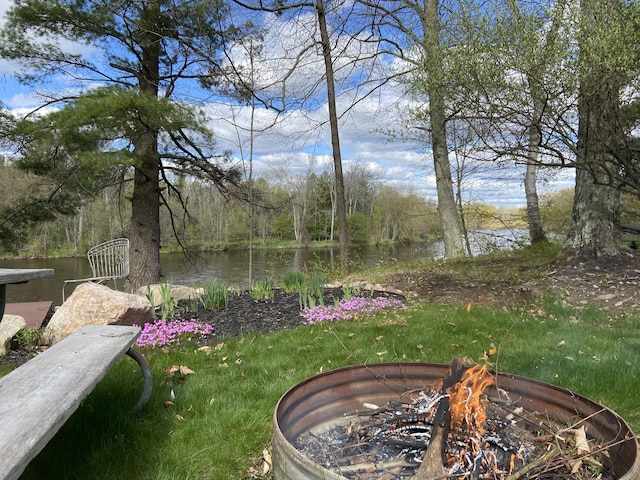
(9, 326)
(95, 304)
(178, 292)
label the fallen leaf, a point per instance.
(560, 344)
(167, 404)
(267, 461)
(206, 349)
(468, 307)
(184, 370)
(582, 444)
(379, 337)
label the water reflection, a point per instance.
(232, 267)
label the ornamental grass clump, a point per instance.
(348, 309)
(165, 332)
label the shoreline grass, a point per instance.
(214, 423)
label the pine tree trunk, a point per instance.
(145, 203)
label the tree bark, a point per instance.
(335, 137)
(433, 64)
(145, 215)
(593, 232)
(536, 231)
(145, 203)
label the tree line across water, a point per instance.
(378, 213)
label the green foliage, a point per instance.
(293, 280)
(349, 291)
(262, 289)
(555, 211)
(29, 338)
(357, 227)
(169, 304)
(215, 295)
(123, 107)
(311, 293)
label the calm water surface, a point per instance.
(231, 267)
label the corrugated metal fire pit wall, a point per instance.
(322, 400)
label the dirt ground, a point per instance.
(611, 283)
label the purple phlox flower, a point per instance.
(349, 309)
(165, 332)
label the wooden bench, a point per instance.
(37, 398)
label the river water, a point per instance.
(232, 267)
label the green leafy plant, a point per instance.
(29, 338)
(216, 295)
(169, 304)
(292, 281)
(349, 291)
(262, 289)
(312, 292)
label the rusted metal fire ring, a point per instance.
(323, 400)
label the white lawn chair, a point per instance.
(108, 261)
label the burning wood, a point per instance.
(456, 431)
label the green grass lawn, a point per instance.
(214, 423)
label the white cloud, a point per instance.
(300, 135)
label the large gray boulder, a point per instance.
(178, 292)
(95, 304)
(9, 326)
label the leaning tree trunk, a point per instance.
(447, 211)
(341, 209)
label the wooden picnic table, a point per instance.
(37, 398)
(19, 275)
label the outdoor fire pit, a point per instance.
(426, 421)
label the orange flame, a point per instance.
(465, 400)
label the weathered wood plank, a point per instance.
(37, 398)
(20, 275)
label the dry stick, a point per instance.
(374, 466)
(432, 465)
(530, 466)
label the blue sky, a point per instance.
(302, 138)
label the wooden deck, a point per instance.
(34, 313)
